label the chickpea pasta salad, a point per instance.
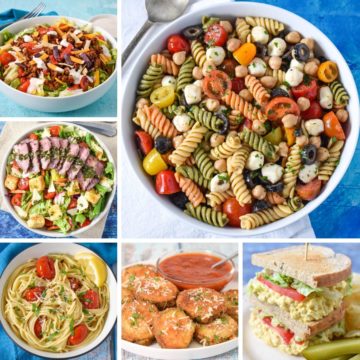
(57, 60)
(240, 122)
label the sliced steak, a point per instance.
(64, 147)
(45, 152)
(55, 152)
(78, 163)
(83, 181)
(22, 156)
(93, 163)
(92, 183)
(70, 157)
(34, 147)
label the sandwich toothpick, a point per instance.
(306, 251)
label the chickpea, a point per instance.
(241, 71)
(322, 154)
(259, 192)
(226, 25)
(315, 140)
(177, 140)
(275, 198)
(303, 102)
(283, 149)
(212, 104)
(209, 65)
(309, 43)
(275, 62)
(233, 44)
(179, 57)
(342, 115)
(258, 127)
(293, 37)
(316, 61)
(311, 68)
(268, 81)
(141, 103)
(302, 140)
(216, 140)
(246, 95)
(220, 165)
(290, 120)
(197, 73)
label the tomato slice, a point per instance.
(310, 190)
(308, 90)
(144, 141)
(286, 334)
(16, 200)
(87, 222)
(176, 43)
(45, 268)
(73, 203)
(6, 58)
(38, 327)
(75, 284)
(216, 84)
(55, 130)
(288, 292)
(31, 47)
(23, 184)
(237, 84)
(49, 195)
(333, 127)
(280, 106)
(234, 210)
(315, 111)
(33, 136)
(166, 183)
(80, 333)
(34, 293)
(91, 299)
(24, 86)
(215, 35)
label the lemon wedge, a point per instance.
(93, 266)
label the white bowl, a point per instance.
(3, 190)
(71, 249)
(231, 10)
(57, 104)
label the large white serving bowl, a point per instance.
(57, 104)
(3, 190)
(231, 10)
(37, 251)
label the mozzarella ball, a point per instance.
(168, 81)
(326, 97)
(182, 122)
(260, 34)
(255, 160)
(308, 173)
(294, 77)
(192, 94)
(297, 65)
(314, 127)
(220, 183)
(216, 54)
(276, 47)
(198, 83)
(257, 67)
(272, 172)
(179, 57)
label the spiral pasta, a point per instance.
(341, 97)
(141, 120)
(242, 29)
(277, 74)
(193, 173)
(207, 215)
(204, 163)
(198, 52)
(215, 198)
(292, 169)
(159, 120)
(190, 189)
(295, 203)
(172, 110)
(236, 102)
(257, 90)
(150, 79)
(328, 167)
(188, 146)
(185, 74)
(207, 118)
(274, 27)
(168, 66)
(226, 149)
(237, 161)
(238, 185)
(235, 119)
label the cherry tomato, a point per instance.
(176, 43)
(49, 195)
(286, 334)
(144, 141)
(45, 268)
(163, 96)
(328, 71)
(23, 184)
(6, 58)
(24, 86)
(216, 84)
(245, 54)
(215, 35)
(53, 60)
(228, 66)
(34, 293)
(73, 203)
(233, 210)
(315, 111)
(153, 163)
(75, 284)
(48, 223)
(80, 333)
(332, 126)
(166, 183)
(280, 106)
(42, 30)
(55, 130)
(38, 327)
(237, 84)
(91, 300)
(16, 200)
(84, 83)
(21, 72)
(31, 47)
(87, 222)
(308, 90)
(33, 136)
(310, 190)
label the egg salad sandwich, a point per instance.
(298, 298)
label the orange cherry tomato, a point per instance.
(280, 106)
(216, 84)
(332, 126)
(245, 53)
(328, 71)
(310, 190)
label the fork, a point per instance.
(31, 14)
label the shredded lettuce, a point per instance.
(63, 225)
(55, 93)
(26, 198)
(6, 35)
(98, 208)
(40, 208)
(80, 218)
(27, 31)
(102, 190)
(304, 289)
(109, 170)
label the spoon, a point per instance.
(225, 260)
(158, 11)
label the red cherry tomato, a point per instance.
(80, 334)
(310, 190)
(333, 127)
(45, 268)
(216, 35)
(49, 195)
(176, 43)
(75, 284)
(91, 300)
(55, 130)
(84, 83)
(313, 112)
(233, 210)
(38, 327)
(73, 203)
(33, 136)
(216, 84)
(308, 90)
(228, 66)
(6, 58)
(24, 86)
(280, 106)
(286, 334)
(237, 84)
(166, 183)
(34, 293)
(23, 184)
(86, 223)
(16, 200)
(144, 141)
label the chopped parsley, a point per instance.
(35, 309)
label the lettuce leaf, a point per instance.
(63, 225)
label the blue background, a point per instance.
(81, 9)
(7, 252)
(10, 228)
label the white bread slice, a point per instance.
(323, 268)
(303, 330)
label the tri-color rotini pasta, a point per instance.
(241, 122)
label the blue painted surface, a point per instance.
(107, 105)
(10, 228)
(339, 215)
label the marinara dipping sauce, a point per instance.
(189, 270)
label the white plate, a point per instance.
(195, 351)
(71, 249)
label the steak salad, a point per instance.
(59, 178)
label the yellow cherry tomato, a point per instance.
(245, 53)
(153, 163)
(163, 96)
(328, 71)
